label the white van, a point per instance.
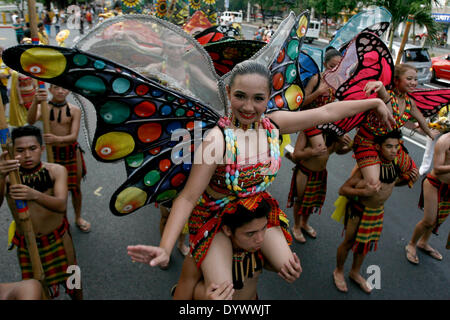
(313, 31)
(228, 16)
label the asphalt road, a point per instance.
(107, 272)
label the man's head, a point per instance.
(27, 143)
(388, 145)
(246, 228)
(59, 94)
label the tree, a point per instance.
(400, 9)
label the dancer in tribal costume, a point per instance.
(404, 109)
(246, 228)
(309, 179)
(248, 93)
(365, 208)
(435, 202)
(44, 187)
(64, 126)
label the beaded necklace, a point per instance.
(233, 158)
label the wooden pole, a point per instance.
(44, 105)
(21, 214)
(405, 38)
(46, 120)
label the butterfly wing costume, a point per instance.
(152, 115)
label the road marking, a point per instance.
(97, 192)
(414, 142)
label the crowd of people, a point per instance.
(236, 228)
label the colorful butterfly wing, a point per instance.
(359, 23)
(429, 102)
(216, 33)
(137, 118)
(287, 90)
(307, 68)
(366, 59)
(226, 54)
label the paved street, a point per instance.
(108, 273)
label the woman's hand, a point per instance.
(373, 87)
(153, 256)
(384, 115)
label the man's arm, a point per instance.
(6, 166)
(57, 202)
(34, 113)
(302, 152)
(440, 151)
(356, 187)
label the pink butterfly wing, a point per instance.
(429, 102)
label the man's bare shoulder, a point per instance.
(443, 141)
(55, 169)
(74, 107)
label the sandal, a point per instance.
(84, 227)
(310, 231)
(414, 259)
(298, 237)
(363, 285)
(341, 285)
(431, 252)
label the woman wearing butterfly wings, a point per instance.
(401, 106)
(225, 170)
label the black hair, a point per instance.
(40, 24)
(27, 33)
(26, 131)
(394, 134)
(243, 215)
(330, 53)
(251, 67)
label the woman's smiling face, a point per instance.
(248, 96)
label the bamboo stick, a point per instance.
(44, 105)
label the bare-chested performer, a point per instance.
(64, 126)
(435, 202)
(365, 207)
(309, 179)
(44, 187)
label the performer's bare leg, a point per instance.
(423, 229)
(217, 267)
(82, 224)
(342, 253)
(301, 181)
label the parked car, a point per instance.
(441, 67)
(416, 56)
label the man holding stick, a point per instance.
(44, 187)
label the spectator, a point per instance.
(47, 23)
(14, 16)
(19, 29)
